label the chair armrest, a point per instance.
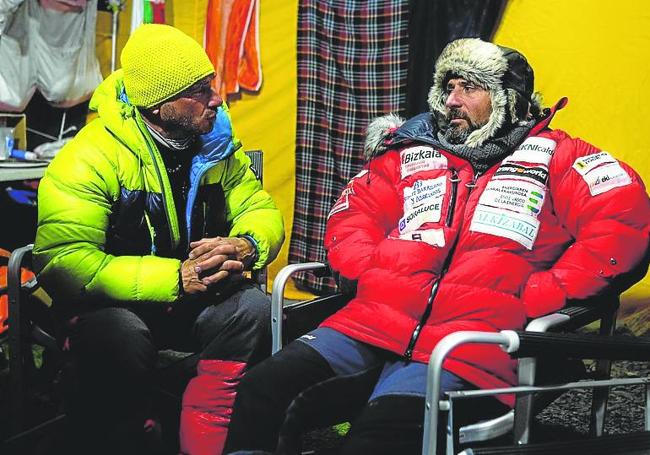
(571, 345)
(576, 313)
(277, 298)
(524, 344)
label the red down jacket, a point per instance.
(557, 219)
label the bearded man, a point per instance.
(147, 220)
(473, 216)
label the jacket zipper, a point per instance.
(408, 354)
(173, 241)
(452, 200)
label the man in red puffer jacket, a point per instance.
(474, 216)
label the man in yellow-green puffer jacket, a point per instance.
(147, 221)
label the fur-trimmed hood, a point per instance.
(378, 134)
(504, 72)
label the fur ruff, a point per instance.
(378, 131)
(484, 64)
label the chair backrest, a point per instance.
(19, 258)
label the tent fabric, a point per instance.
(352, 62)
(49, 50)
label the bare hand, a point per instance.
(190, 278)
(225, 256)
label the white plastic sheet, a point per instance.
(49, 50)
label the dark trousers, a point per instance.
(326, 378)
(114, 354)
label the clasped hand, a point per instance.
(213, 260)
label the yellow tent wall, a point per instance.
(593, 51)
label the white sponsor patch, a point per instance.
(426, 213)
(521, 228)
(584, 164)
(421, 158)
(517, 195)
(606, 177)
(434, 237)
(510, 171)
(537, 150)
(423, 191)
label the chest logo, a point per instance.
(421, 158)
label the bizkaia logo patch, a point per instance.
(421, 158)
(537, 174)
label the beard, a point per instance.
(456, 134)
(183, 123)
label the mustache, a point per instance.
(455, 113)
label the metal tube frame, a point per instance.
(277, 298)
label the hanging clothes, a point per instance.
(147, 12)
(232, 43)
(48, 48)
(352, 66)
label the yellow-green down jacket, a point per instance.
(107, 223)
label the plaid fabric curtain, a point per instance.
(352, 67)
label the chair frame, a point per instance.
(575, 314)
(575, 346)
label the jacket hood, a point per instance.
(504, 72)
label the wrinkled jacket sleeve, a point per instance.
(250, 209)
(611, 232)
(75, 200)
(362, 217)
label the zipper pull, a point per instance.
(471, 185)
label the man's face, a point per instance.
(191, 112)
(468, 108)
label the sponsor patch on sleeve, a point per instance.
(434, 237)
(521, 228)
(538, 150)
(421, 158)
(584, 164)
(605, 178)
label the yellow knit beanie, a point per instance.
(160, 61)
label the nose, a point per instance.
(453, 100)
(215, 99)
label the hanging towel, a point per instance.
(232, 43)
